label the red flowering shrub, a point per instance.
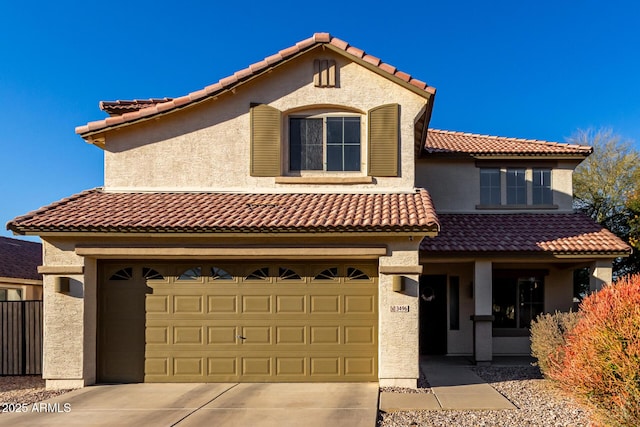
(601, 359)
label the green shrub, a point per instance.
(548, 338)
(601, 361)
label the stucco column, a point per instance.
(482, 317)
(399, 315)
(69, 318)
(601, 274)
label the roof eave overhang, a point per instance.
(431, 256)
(502, 156)
(97, 137)
(416, 233)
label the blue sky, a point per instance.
(532, 69)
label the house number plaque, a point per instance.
(399, 308)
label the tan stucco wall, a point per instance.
(454, 184)
(207, 147)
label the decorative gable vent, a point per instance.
(324, 73)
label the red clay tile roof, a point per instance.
(238, 77)
(452, 143)
(555, 233)
(116, 108)
(20, 259)
(97, 211)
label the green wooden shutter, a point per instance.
(265, 141)
(383, 140)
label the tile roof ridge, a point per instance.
(512, 139)
(227, 83)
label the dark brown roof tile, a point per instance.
(20, 259)
(554, 233)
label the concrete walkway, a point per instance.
(454, 386)
(220, 405)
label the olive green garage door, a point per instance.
(260, 322)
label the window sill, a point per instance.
(516, 207)
(341, 180)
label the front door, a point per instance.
(433, 314)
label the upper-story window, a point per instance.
(324, 143)
(516, 187)
(490, 186)
(541, 188)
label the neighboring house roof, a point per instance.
(20, 259)
(571, 233)
(252, 71)
(99, 211)
(442, 142)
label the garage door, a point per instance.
(261, 322)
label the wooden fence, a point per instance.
(21, 337)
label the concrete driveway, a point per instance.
(190, 405)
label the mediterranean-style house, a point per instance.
(19, 277)
(281, 225)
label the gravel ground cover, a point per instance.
(24, 390)
(538, 403)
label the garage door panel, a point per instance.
(296, 366)
(157, 335)
(326, 304)
(325, 335)
(359, 304)
(325, 366)
(256, 335)
(292, 335)
(359, 335)
(256, 304)
(257, 366)
(222, 304)
(157, 304)
(157, 366)
(221, 335)
(291, 304)
(188, 366)
(217, 366)
(188, 335)
(359, 366)
(187, 304)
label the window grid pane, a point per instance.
(516, 187)
(305, 144)
(490, 186)
(542, 193)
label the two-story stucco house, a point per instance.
(281, 225)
